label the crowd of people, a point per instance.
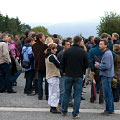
(65, 65)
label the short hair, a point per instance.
(28, 40)
(69, 38)
(64, 41)
(10, 35)
(90, 37)
(105, 42)
(104, 35)
(4, 35)
(116, 35)
(55, 36)
(77, 39)
(97, 40)
(39, 35)
(52, 46)
(116, 47)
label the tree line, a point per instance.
(12, 25)
(109, 23)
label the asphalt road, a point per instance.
(22, 107)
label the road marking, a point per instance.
(18, 109)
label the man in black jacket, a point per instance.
(74, 63)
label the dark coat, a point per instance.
(95, 55)
(117, 65)
(116, 41)
(74, 62)
(89, 45)
(38, 50)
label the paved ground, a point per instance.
(21, 107)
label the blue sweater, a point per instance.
(107, 65)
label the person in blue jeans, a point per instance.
(65, 45)
(29, 72)
(73, 64)
(106, 67)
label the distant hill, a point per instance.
(72, 29)
(86, 28)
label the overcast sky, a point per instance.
(57, 11)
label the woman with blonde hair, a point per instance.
(48, 40)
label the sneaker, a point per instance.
(31, 94)
(106, 113)
(40, 98)
(54, 110)
(76, 117)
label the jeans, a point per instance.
(41, 75)
(76, 83)
(5, 77)
(29, 75)
(107, 93)
(62, 79)
(14, 77)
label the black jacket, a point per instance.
(74, 61)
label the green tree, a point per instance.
(109, 23)
(2, 23)
(12, 25)
(41, 29)
(25, 27)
